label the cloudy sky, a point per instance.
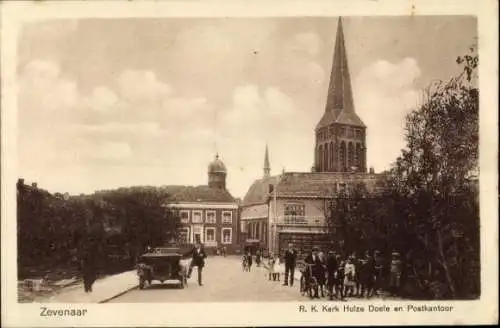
(108, 103)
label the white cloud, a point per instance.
(259, 116)
(43, 88)
(142, 119)
(384, 93)
(300, 74)
(102, 99)
(137, 85)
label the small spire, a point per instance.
(267, 166)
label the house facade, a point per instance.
(209, 213)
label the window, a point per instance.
(295, 213)
(227, 217)
(358, 134)
(197, 217)
(184, 216)
(344, 132)
(209, 235)
(197, 234)
(227, 235)
(184, 235)
(342, 188)
(294, 209)
(210, 217)
(351, 132)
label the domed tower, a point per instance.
(217, 174)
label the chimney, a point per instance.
(20, 181)
(372, 170)
(313, 169)
(34, 184)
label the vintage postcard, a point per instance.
(249, 163)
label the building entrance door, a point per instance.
(198, 234)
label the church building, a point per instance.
(291, 207)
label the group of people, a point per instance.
(247, 260)
(351, 276)
(335, 274)
(221, 251)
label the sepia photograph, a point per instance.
(316, 159)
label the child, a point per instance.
(271, 267)
(244, 263)
(277, 269)
(350, 277)
(339, 279)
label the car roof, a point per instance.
(159, 255)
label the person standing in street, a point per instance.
(198, 260)
(249, 259)
(88, 268)
(395, 274)
(290, 261)
(257, 258)
(317, 271)
(331, 269)
(367, 275)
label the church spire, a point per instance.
(267, 167)
(339, 102)
(339, 90)
(340, 134)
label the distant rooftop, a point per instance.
(309, 185)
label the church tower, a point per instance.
(217, 174)
(340, 134)
(267, 167)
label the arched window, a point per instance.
(320, 158)
(325, 158)
(335, 157)
(350, 156)
(342, 156)
(359, 156)
(330, 160)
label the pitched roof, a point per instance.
(339, 103)
(310, 185)
(259, 191)
(195, 194)
(324, 184)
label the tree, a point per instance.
(435, 183)
(52, 230)
(144, 216)
(361, 220)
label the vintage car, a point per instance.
(162, 264)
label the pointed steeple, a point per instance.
(339, 103)
(267, 167)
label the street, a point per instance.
(223, 281)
